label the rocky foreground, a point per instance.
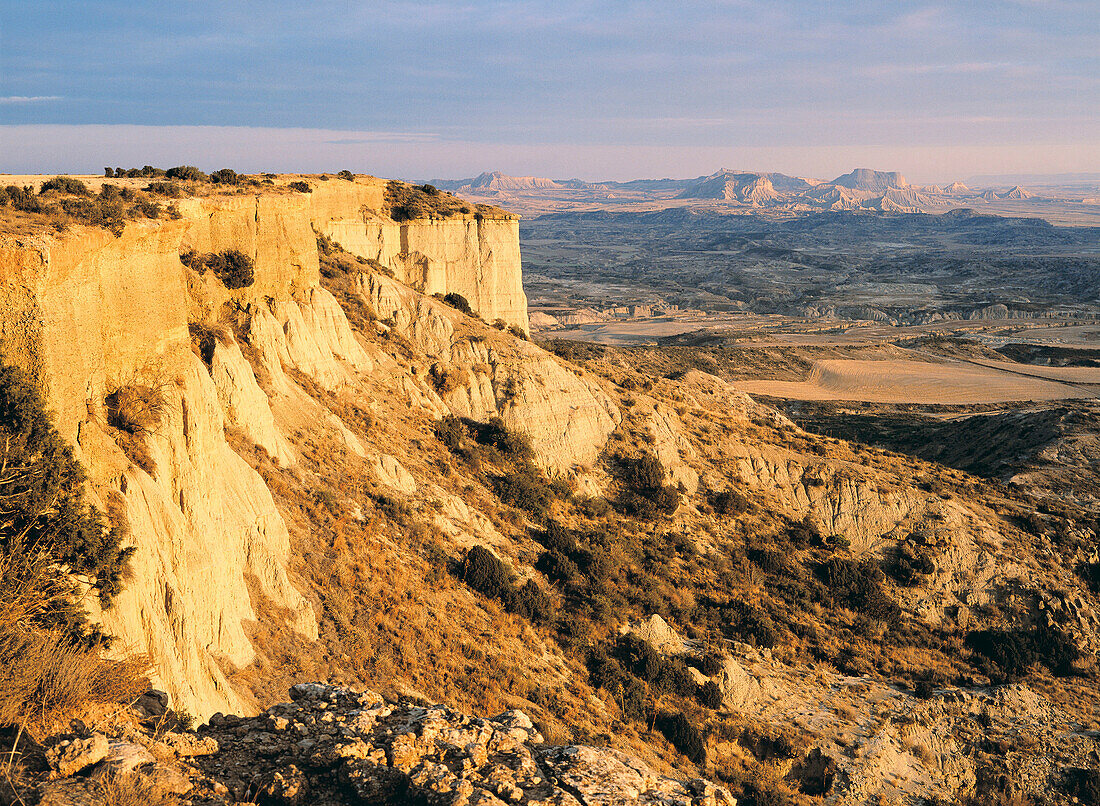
(332, 745)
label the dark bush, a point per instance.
(488, 575)
(1012, 652)
(750, 624)
(225, 176)
(65, 184)
(729, 502)
(22, 198)
(710, 695)
(186, 173)
(42, 492)
(607, 673)
(1084, 785)
(911, 565)
(459, 303)
(301, 187)
(518, 332)
(233, 268)
(450, 431)
(170, 189)
(512, 444)
(712, 664)
(858, 586)
(485, 573)
(531, 602)
(557, 566)
(683, 735)
(348, 175)
(524, 489)
(558, 538)
(1090, 573)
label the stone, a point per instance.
(72, 755)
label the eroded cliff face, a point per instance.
(473, 256)
(87, 313)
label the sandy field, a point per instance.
(953, 382)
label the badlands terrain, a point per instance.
(332, 451)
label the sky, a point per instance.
(617, 89)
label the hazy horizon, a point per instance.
(937, 90)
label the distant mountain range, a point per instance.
(861, 189)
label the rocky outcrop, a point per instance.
(474, 256)
(331, 744)
(567, 416)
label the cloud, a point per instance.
(28, 99)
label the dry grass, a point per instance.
(47, 676)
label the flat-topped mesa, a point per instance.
(429, 240)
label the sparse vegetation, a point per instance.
(234, 268)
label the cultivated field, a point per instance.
(920, 382)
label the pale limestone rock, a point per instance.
(739, 688)
(244, 403)
(393, 474)
(671, 446)
(657, 632)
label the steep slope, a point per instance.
(354, 480)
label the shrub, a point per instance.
(137, 408)
(518, 332)
(489, 576)
(65, 184)
(46, 673)
(348, 175)
(710, 695)
(449, 430)
(459, 303)
(729, 502)
(186, 173)
(1083, 785)
(485, 573)
(1012, 652)
(225, 176)
(235, 269)
(683, 735)
(524, 489)
(301, 187)
(22, 198)
(42, 492)
(511, 443)
(858, 586)
(531, 602)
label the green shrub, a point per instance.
(729, 502)
(301, 187)
(348, 175)
(65, 184)
(683, 735)
(518, 332)
(42, 492)
(235, 269)
(524, 489)
(646, 494)
(225, 176)
(485, 573)
(858, 586)
(449, 430)
(710, 695)
(1010, 653)
(22, 198)
(186, 173)
(170, 189)
(489, 576)
(459, 303)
